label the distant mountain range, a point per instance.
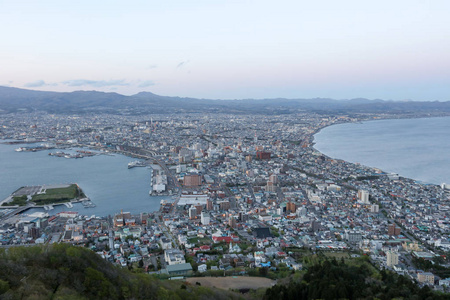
(16, 100)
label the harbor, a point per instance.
(78, 154)
(35, 148)
(111, 186)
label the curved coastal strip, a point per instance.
(413, 148)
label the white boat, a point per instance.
(136, 163)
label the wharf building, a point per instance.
(193, 199)
(124, 219)
(192, 180)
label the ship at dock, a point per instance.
(136, 163)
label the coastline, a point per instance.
(374, 168)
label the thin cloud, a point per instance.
(96, 83)
(151, 67)
(181, 64)
(36, 83)
(146, 83)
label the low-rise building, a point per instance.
(174, 257)
(425, 277)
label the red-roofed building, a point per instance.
(262, 155)
(226, 239)
(205, 248)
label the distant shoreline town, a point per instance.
(249, 191)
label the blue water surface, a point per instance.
(413, 148)
(105, 179)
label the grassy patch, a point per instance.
(205, 240)
(58, 195)
(193, 240)
(336, 255)
(17, 200)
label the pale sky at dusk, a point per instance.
(221, 49)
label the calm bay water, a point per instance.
(105, 179)
(413, 148)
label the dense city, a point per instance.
(249, 195)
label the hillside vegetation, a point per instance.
(331, 279)
(62, 271)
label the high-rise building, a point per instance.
(34, 232)
(394, 230)
(243, 217)
(273, 178)
(209, 204)
(315, 226)
(374, 208)
(270, 187)
(224, 205)
(205, 218)
(363, 196)
(42, 223)
(199, 209)
(232, 222)
(192, 212)
(291, 207)
(391, 258)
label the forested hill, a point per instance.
(22, 100)
(332, 279)
(61, 271)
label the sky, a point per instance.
(226, 49)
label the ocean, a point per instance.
(105, 179)
(413, 148)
